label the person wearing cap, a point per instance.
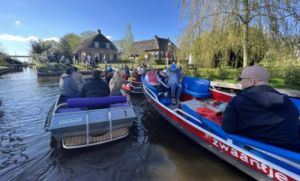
(95, 88)
(67, 84)
(153, 79)
(109, 68)
(79, 79)
(174, 81)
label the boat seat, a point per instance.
(165, 101)
(165, 89)
(119, 105)
(96, 101)
(69, 110)
(196, 87)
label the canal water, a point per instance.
(152, 151)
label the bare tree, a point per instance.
(128, 42)
(277, 18)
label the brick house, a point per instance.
(158, 47)
(97, 45)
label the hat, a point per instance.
(173, 67)
(109, 65)
(150, 68)
(69, 71)
(139, 68)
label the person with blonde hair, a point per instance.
(115, 83)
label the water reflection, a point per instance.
(152, 151)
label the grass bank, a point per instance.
(277, 79)
(82, 67)
(2, 68)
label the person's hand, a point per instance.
(167, 86)
(180, 81)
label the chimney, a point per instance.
(168, 39)
(99, 31)
(155, 36)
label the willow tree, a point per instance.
(277, 18)
(128, 41)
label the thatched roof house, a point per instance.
(97, 45)
(158, 47)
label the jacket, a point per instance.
(263, 114)
(95, 88)
(178, 73)
(79, 79)
(67, 85)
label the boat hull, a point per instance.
(247, 162)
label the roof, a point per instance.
(153, 44)
(96, 37)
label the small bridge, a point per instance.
(21, 56)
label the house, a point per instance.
(97, 45)
(158, 47)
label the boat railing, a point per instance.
(110, 124)
(60, 105)
(213, 87)
(87, 129)
(188, 115)
(150, 92)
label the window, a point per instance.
(111, 57)
(107, 45)
(96, 44)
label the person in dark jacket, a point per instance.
(262, 113)
(95, 88)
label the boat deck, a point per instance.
(81, 139)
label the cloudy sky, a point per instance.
(21, 21)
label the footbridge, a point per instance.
(17, 65)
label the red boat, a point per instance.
(259, 160)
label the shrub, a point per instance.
(223, 73)
(237, 74)
(292, 76)
(208, 73)
(196, 73)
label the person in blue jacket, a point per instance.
(262, 113)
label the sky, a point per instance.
(21, 21)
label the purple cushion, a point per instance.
(70, 110)
(66, 98)
(118, 105)
(96, 101)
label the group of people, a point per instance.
(51, 57)
(106, 83)
(259, 112)
(88, 60)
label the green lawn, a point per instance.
(82, 67)
(1, 67)
(277, 73)
(277, 76)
